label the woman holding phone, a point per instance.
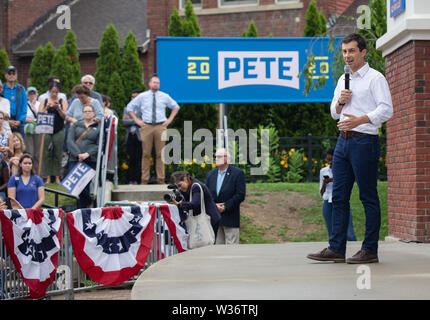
(53, 143)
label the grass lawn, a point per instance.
(253, 234)
(50, 196)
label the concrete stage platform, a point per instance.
(282, 271)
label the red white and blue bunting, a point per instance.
(33, 240)
(111, 244)
(171, 217)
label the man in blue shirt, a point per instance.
(17, 97)
(153, 122)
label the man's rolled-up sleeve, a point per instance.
(384, 104)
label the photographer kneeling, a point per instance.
(184, 182)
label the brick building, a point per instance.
(406, 48)
(26, 24)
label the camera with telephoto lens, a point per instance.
(176, 194)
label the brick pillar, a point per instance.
(408, 142)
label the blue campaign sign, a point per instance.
(232, 70)
(397, 7)
(45, 123)
(78, 178)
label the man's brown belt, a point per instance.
(350, 134)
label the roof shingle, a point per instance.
(89, 19)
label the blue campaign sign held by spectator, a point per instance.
(45, 123)
(229, 70)
(78, 178)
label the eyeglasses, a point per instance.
(87, 82)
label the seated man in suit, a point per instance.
(227, 186)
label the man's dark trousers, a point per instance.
(134, 150)
(356, 159)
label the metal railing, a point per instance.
(69, 278)
(58, 193)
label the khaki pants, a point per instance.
(152, 135)
(226, 235)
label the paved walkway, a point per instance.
(100, 294)
(282, 271)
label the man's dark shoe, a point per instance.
(363, 257)
(327, 255)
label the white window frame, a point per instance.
(195, 6)
(285, 1)
(238, 4)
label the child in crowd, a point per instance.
(326, 189)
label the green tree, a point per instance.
(72, 51)
(131, 67)
(175, 25)
(41, 65)
(4, 63)
(315, 21)
(39, 71)
(62, 67)
(49, 54)
(116, 93)
(109, 59)
(323, 23)
(251, 32)
(190, 24)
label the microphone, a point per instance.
(347, 70)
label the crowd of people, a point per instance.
(29, 159)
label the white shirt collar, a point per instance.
(363, 70)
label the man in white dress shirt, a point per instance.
(361, 111)
(152, 105)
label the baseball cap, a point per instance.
(30, 89)
(11, 68)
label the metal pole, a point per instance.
(226, 133)
(115, 177)
(155, 55)
(220, 137)
(310, 157)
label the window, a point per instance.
(237, 2)
(197, 4)
(283, 1)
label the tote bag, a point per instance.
(199, 227)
